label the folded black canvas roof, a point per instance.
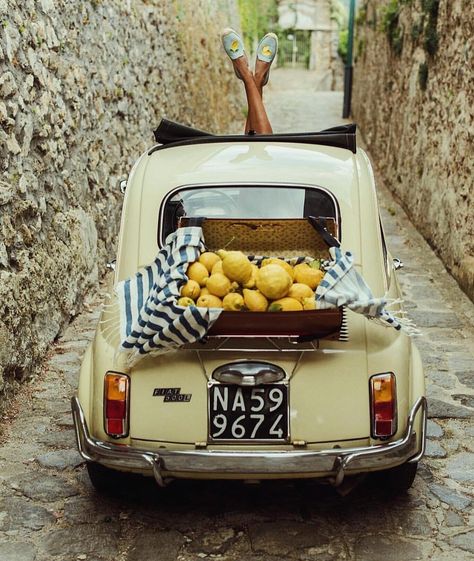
(170, 134)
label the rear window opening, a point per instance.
(244, 201)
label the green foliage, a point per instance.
(339, 13)
(257, 18)
(366, 15)
(423, 76)
(390, 16)
(361, 17)
(391, 25)
(360, 47)
(343, 44)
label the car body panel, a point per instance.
(314, 385)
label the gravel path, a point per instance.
(294, 104)
(49, 511)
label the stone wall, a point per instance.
(414, 99)
(82, 86)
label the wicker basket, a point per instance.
(284, 237)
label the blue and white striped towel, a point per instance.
(342, 285)
(150, 319)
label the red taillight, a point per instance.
(116, 392)
(383, 398)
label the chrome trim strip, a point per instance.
(424, 423)
(336, 461)
(218, 343)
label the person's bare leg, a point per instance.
(261, 69)
(260, 73)
(257, 118)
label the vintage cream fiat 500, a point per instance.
(324, 393)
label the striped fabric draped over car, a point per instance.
(150, 319)
(152, 322)
(342, 285)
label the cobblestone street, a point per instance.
(50, 512)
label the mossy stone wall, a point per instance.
(414, 99)
(82, 86)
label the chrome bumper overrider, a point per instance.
(336, 462)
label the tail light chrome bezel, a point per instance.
(374, 432)
(126, 419)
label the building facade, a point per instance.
(312, 35)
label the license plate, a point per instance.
(248, 413)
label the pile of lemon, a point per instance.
(228, 280)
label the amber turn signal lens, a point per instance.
(116, 386)
(116, 403)
(383, 399)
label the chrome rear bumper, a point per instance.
(333, 463)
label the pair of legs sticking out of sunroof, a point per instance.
(257, 119)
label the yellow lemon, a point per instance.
(309, 303)
(185, 302)
(285, 305)
(217, 268)
(299, 291)
(197, 272)
(254, 300)
(191, 290)
(234, 287)
(307, 275)
(209, 259)
(235, 265)
(252, 282)
(233, 302)
(209, 301)
(275, 261)
(218, 284)
(273, 282)
(204, 291)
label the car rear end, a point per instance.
(260, 405)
